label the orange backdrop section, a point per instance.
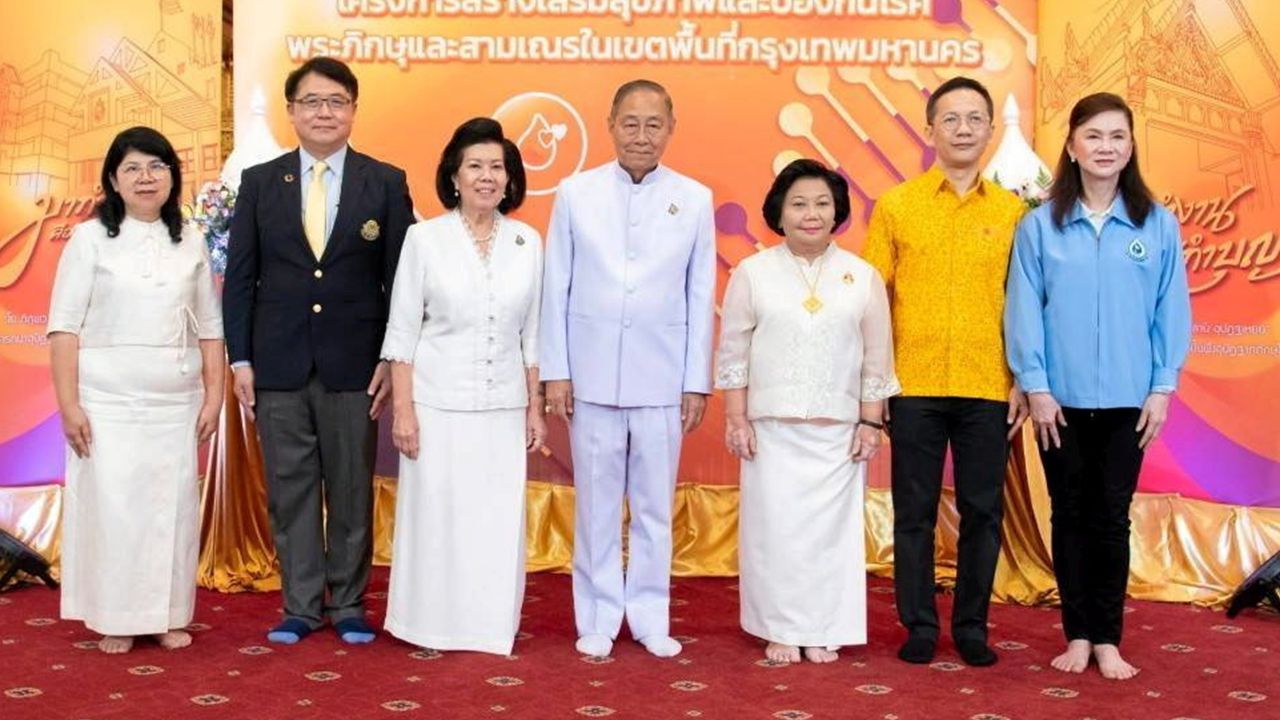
(735, 120)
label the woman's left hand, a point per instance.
(207, 421)
(866, 441)
(1154, 412)
(535, 428)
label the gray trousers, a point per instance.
(318, 447)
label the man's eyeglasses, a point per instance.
(974, 121)
(155, 169)
(312, 103)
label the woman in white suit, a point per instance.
(462, 340)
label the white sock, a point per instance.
(661, 645)
(594, 645)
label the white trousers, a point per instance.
(617, 452)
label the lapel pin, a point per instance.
(370, 230)
(848, 278)
(519, 239)
(288, 177)
(672, 209)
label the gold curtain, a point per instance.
(236, 549)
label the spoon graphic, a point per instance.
(861, 75)
(1012, 22)
(731, 219)
(908, 74)
(817, 81)
(949, 12)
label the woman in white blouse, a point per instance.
(806, 363)
(135, 333)
(462, 340)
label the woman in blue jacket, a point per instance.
(1097, 326)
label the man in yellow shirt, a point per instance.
(941, 241)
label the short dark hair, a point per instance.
(111, 210)
(1068, 186)
(959, 82)
(798, 170)
(480, 131)
(332, 68)
(631, 86)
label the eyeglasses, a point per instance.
(155, 169)
(974, 121)
(335, 103)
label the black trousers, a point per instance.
(920, 431)
(318, 451)
(1091, 481)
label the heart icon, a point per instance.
(548, 136)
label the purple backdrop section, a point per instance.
(37, 457)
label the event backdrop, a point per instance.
(72, 75)
(754, 83)
(1204, 81)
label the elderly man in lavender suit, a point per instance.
(626, 355)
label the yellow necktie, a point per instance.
(313, 214)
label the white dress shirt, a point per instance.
(469, 328)
(628, 305)
(797, 364)
(137, 288)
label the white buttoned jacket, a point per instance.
(469, 328)
(629, 287)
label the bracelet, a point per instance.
(870, 424)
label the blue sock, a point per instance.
(288, 632)
(354, 631)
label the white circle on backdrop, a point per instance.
(548, 117)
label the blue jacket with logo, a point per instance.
(1099, 319)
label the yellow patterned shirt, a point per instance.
(944, 259)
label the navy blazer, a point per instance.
(288, 313)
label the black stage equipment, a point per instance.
(1261, 586)
(16, 557)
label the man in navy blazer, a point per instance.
(314, 244)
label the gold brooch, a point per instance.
(848, 278)
(288, 177)
(370, 230)
(672, 209)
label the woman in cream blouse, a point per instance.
(806, 363)
(135, 334)
(462, 339)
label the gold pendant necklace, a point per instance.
(812, 303)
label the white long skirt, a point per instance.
(458, 555)
(130, 524)
(800, 543)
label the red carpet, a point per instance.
(1196, 664)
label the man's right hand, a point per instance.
(560, 398)
(243, 384)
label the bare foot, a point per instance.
(1075, 659)
(174, 639)
(780, 653)
(1111, 665)
(820, 655)
(115, 645)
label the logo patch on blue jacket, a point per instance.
(1136, 250)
